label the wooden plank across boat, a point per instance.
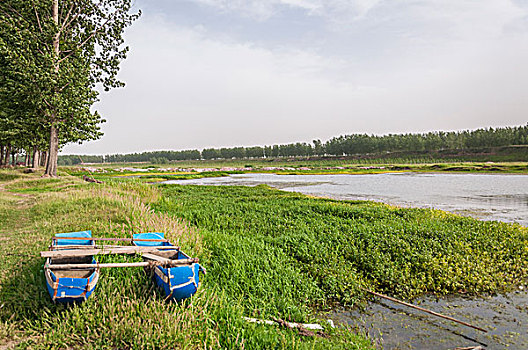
(72, 272)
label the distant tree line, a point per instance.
(346, 145)
(431, 141)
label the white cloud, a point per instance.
(264, 9)
(461, 16)
(185, 90)
(188, 89)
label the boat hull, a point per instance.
(70, 289)
(178, 283)
(68, 286)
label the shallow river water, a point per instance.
(486, 197)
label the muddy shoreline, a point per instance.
(394, 326)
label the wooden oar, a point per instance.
(422, 309)
(168, 263)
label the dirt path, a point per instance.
(3, 189)
(19, 208)
(18, 220)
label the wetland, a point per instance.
(489, 197)
(502, 197)
(269, 253)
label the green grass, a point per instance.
(126, 309)
(158, 177)
(8, 176)
(268, 253)
(286, 254)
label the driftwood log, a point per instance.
(304, 329)
(91, 179)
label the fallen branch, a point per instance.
(423, 309)
(91, 179)
(305, 329)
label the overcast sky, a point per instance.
(213, 73)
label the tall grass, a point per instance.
(126, 311)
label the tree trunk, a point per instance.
(13, 159)
(44, 159)
(1, 155)
(51, 166)
(36, 161)
(7, 154)
(53, 154)
(26, 160)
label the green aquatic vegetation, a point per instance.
(284, 253)
(156, 177)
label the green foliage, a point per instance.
(477, 145)
(42, 185)
(160, 160)
(153, 156)
(284, 252)
(431, 141)
(52, 55)
(76, 159)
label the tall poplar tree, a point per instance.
(60, 51)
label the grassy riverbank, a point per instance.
(268, 253)
(126, 310)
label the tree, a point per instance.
(210, 153)
(61, 50)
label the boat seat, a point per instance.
(84, 273)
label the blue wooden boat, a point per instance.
(69, 285)
(179, 282)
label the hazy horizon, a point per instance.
(263, 145)
(204, 73)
